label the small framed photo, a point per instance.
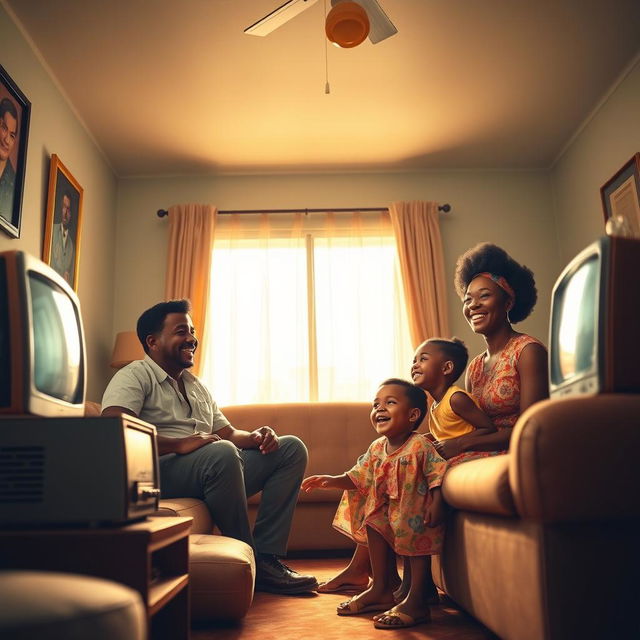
(621, 200)
(15, 111)
(63, 222)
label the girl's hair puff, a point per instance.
(454, 349)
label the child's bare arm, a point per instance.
(343, 481)
(435, 510)
(467, 409)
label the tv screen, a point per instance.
(57, 344)
(574, 345)
(595, 307)
(42, 366)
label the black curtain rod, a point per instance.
(443, 207)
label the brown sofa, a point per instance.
(541, 543)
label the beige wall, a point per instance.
(541, 217)
(55, 129)
(510, 208)
(602, 146)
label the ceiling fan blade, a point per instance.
(278, 17)
(380, 27)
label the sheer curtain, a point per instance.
(257, 341)
(191, 230)
(304, 307)
(417, 229)
(363, 334)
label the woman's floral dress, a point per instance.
(497, 390)
(391, 496)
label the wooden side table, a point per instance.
(151, 556)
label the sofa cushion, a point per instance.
(221, 577)
(63, 606)
(480, 485)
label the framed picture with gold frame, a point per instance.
(63, 222)
(621, 199)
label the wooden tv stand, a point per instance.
(151, 556)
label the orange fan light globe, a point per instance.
(347, 24)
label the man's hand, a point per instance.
(266, 439)
(193, 442)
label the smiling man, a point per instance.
(202, 455)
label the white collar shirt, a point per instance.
(147, 390)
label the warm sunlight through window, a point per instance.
(316, 316)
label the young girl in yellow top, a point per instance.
(437, 364)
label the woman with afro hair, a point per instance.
(511, 375)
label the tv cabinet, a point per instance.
(151, 556)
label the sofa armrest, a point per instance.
(187, 507)
(575, 459)
(92, 409)
(480, 485)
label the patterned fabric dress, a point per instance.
(392, 496)
(497, 390)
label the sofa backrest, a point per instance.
(336, 433)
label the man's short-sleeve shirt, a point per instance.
(147, 390)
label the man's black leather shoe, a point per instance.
(275, 577)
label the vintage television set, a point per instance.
(57, 466)
(42, 349)
(595, 311)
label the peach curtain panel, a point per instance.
(191, 229)
(417, 229)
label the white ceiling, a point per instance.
(175, 87)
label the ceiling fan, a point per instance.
(379, 27)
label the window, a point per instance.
(304, 307)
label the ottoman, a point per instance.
(63, 606)
(221, 577)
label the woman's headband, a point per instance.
(501, 281)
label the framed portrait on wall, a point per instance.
(63, 222)
(15, 111)
(621, 198)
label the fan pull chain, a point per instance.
(327, 87)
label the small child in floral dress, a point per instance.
(398, 508)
